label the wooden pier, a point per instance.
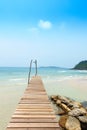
(34, 111)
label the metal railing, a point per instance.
(30, 69)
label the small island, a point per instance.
(81, 66)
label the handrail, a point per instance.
(30, 69)
(35, 66)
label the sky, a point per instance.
(52, 31)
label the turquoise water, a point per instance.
(57, 80)
(19, 73)
(62, 81)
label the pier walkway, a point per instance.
(34, 111)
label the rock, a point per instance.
(83, 119)
(76, 105)
(84, 103)
(64, 99)
(72, 124)
(70, 105)
(64, 107)
(54, 98)
(86, 108)
(58, 102)
(77, 112)
(62, 121)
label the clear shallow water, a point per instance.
(19, 75)
(57, 80)
(13, 81)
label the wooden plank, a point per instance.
(33, 113)
(11, 128)
(33, 116)
(29, 105)
(35, 88)
(34, 100)
(33, 120)
(39, 125)
(34, 106)
(33, 128)
(35, 95)
(35, 110)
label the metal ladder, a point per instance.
(30, 69)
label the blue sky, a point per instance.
(52, 31)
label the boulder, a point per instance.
(58, 102)
(64, 99)
(70, 105)
(83, 119)
(72, 124)
(86, 108)
(62, 121)
(65, 108)
(77, 112)
(76, 105)
(54, 98)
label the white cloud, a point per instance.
(41, 24)
(44, 24)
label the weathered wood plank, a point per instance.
(34, 106)
(33, 113)
(39, 125)
(35, 101)
(33, 116)
(33, 128)
(32, 120)
(35, 110)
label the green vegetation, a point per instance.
(81, 66)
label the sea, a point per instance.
(52, 78)
(57, 81)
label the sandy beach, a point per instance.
(75, 88)
(9, 96)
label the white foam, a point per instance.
(17, 79)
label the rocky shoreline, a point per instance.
(73, 116)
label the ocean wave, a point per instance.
(61, 71)
(17, 79)
(64, 78)
(82, 71)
